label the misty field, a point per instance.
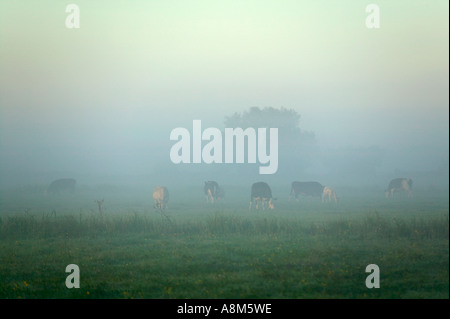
(194, 249)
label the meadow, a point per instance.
(305, 249)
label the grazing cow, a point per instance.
(211, 189)
(63, 185)
(329, 194)
(220, 194)
(313, 189)
(161, 197)
(399, 185)
(261, 192)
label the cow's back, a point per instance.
(400, 183)
(261, 189)
(395, 183)
(62, 185)
(160, 193)
(307, 188)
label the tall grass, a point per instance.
(370, 225)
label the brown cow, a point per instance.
(161, 197)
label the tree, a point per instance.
(296, 147)
(286, 120)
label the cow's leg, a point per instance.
(389, 193)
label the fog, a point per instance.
(98, 103)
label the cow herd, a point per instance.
(260, 194)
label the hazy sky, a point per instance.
(105, 96)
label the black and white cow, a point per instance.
(399, 185)
(261, 192)
(211, 190)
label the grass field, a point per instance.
(304, 249)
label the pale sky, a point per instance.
(136, 69)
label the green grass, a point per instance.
(299, 250)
